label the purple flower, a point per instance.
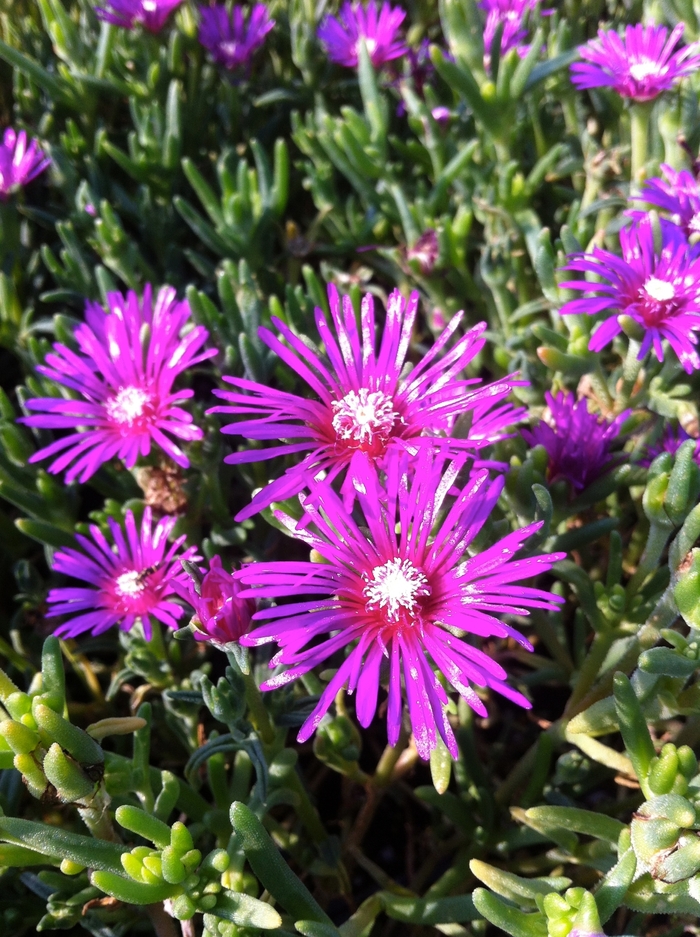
(228, 39)
(151, 14)
(396, 588)
(128, 361)
(364, 405)
(577, 441)
(379, 29)
(221, 616)
(640, 66)
(661, 292)
(671, 440)
(19, 163)
(129, 581)
(511, 14)
(677, 193)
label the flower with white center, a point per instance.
(395, 586)
(377, 26)
(151, 14)
(230, 39)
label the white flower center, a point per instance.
(129, 584)
(229, 48)
(362, 416)
(659, 290)
(646, 68)
(694, 223)
(128, 405)
(394, 586)
(370, 43)
(150, 6)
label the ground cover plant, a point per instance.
(350, 474)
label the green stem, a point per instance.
(259, 715)
(655, 545)
(630, 372)
(640, 114)
(588, 673)
(600, 385)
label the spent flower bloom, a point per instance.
(660, 291)
(151, 14)
(641, 65)
(221, 616)
(379, 27)
(128, 360)
(398, 587)
(578, 442)
(133, 579)
(19, 163)
(364, 405)
(671, 440)
(676, 193)
(230, 40)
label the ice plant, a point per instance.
(510, 14)
(641, 65)
(19, 163)
(124, 371)
(676, 193)
(363, 406)
(378, 27)
(397, 586)
(671, 440)
(221, 616)
(151, 14)
(230, 40)
(578, 442)
(133, 580)
(659, 291)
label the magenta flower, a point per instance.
(395, 587)
(671, 440)
(128, 361)
(221, 616)
(677, 193)
(640, 66)
(19, 163)
(378, 27)
(661, 292)
(129, 581)
(577, 441)
(151, 14)
(510, 13)
(228, 39)
(364, 407)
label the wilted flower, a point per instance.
(661, 292)
(425, 251)
(227, 37)
(641, 65)
(151, 14)
(221, 616)
(128, 361)
(671, 440)
(129, 581)
(19, 163)
(578, 442)
(363, 407)
(378, 27)
(678, 194)
(403, 590)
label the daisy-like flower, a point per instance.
(151, 14)
(398, 587)
(671, 440)
(229, 39)
(131, 580)
(124, 372)
(221, 616)
(378, 27)
(511, 14)
(676, 193)
(364, 406)
(19, 163)
(641, 65)
(577, 441)
(661, 292)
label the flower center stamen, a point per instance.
(646, 68)
(128, 405)
(362, 416)
(150, 6)
(694, 223)
(661, 291)
(129, 584)
(395, 586)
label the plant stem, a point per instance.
(589, 669)
(259, 715)
(630, 372)
(639, 133)
(655, 545)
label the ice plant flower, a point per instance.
(364, 407)
(676, 193)
(228, 38)
(221, 617)
(641, 65)
(578, 442)
(151, 14)
(379, 27)
(128, 360)
(131, 580)
(511, 14)
(395, 587)
(671, 440)
(19, 163)
(660, 291)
